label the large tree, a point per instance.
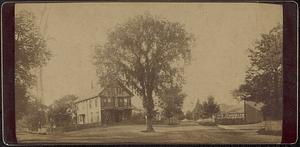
(62, 111)
(263, 82)
(209, 107)
(30, 53)
(171, 102)
(147, 54)
(37, 115)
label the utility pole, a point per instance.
(40, 89)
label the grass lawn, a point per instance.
(164, 134)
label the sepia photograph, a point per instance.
(149, 73)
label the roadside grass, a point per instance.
(164, 134)
(265, 132)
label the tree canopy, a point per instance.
(197, 111)
(210, 107)
(189, 115)
(38, 114)
(30, 53)
(263, 82)
(62, 111)
(206, 109)
(171, 101)
(147, 53)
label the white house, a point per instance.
(111, 104)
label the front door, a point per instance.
(83, 118)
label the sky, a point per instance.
(223, 33)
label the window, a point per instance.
(81, 117)
(119, 90)
(97, 113)
(91, 116)
(111, 91)
(125, 101)
(121, 101)
(96, 102)
(116, 102)
(90, 103)
(108, 100)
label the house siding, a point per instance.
(89, 109)
(112, 104)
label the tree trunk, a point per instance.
(149, 123)
(149, 107)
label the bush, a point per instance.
(206, 122)
(137, 116)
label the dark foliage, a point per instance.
(30, 53)
(63, 111)
(263, 81)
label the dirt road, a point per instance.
(164, 134)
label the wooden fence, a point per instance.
(230, 118)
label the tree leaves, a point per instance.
(171, 101)
(37, 117)
(142, 53)
(207, 108)
(263, 82)
(62, 110)
(30, 53)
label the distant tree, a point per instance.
(197, 111)
(30, 53)
(171, 102)
(189, 115)
(62, 111)
(209, 107)
(37, 117)
(147, 54)
(180, 115)
(263, 82)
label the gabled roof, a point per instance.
(125, 91)
(257, 106)
(233, 108)
(91, 93)
(98, 91)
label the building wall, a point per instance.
(252, 115)
(91, 109)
